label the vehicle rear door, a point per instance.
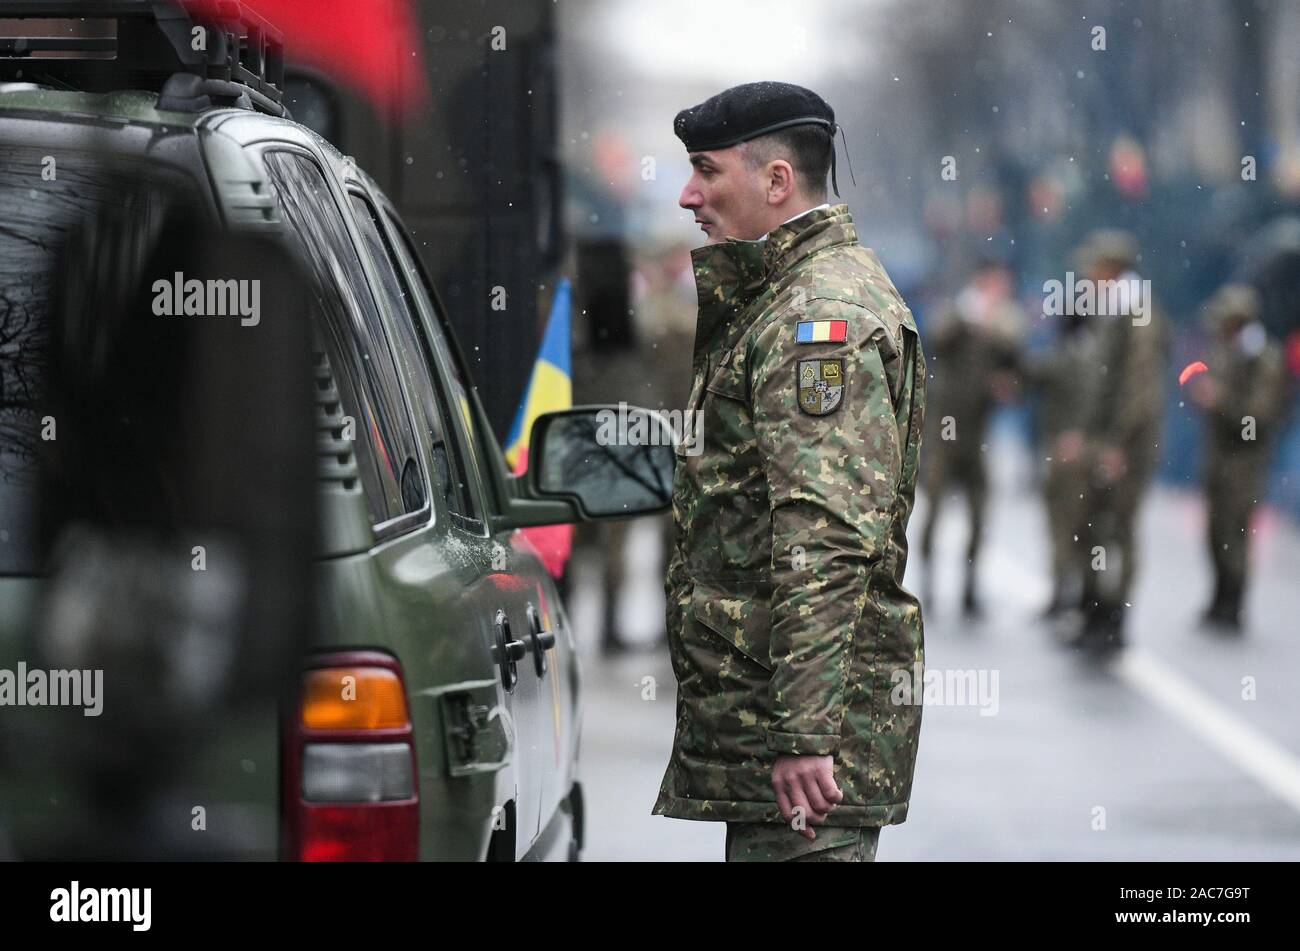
(426, 593)
(501, 591)
(548, 674)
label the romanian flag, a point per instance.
(550, 388)
(821, 331)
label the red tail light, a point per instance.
(350, 792)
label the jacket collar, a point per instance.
(730, 274)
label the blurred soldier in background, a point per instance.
(976, 354)
(1065, 380)
(637, 347)
(664, 304)
(1124, 428)
(606, 369)
(1242, 395)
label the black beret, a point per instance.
(748, 111)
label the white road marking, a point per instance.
(1272, 766)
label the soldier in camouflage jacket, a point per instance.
(789, 628)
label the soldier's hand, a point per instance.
(1069, 446)
(806, 783)
(1204, 391)
(1003, 386)
(1112, 464)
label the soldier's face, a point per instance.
(1105, 271)
(727, 197)
(995, 283)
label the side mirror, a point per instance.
(612, 461)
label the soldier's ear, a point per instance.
(780, 181)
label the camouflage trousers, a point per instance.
(1231, 492)
(1065, 485)
(1112, 524)
(947, 474)
(777, 842)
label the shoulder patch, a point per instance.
(821, 385)
(821, 331)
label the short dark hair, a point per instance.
(806, 147)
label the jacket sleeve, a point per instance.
(832, 475)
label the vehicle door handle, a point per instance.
(507, 652)
(542, 640)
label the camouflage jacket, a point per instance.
(965, 359)
(788, 625)
(1128, 409)
(1251, 386)
(1066, 378)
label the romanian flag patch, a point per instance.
(821, 331)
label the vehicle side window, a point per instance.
(390, 472)
(417, 281)
(414, 352)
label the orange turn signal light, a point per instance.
(353, 698)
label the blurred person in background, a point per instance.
(1242, 395)
(608, 367)
(664, 304)
(1064, 380)
(1123, 430)
(975, 352)
(640, 322)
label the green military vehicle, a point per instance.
(437, 709)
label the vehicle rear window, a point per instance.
(449, 466)
(362, 359)
(44, 195)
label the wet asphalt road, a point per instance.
(1156, 755)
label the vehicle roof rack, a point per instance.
(152, 47)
